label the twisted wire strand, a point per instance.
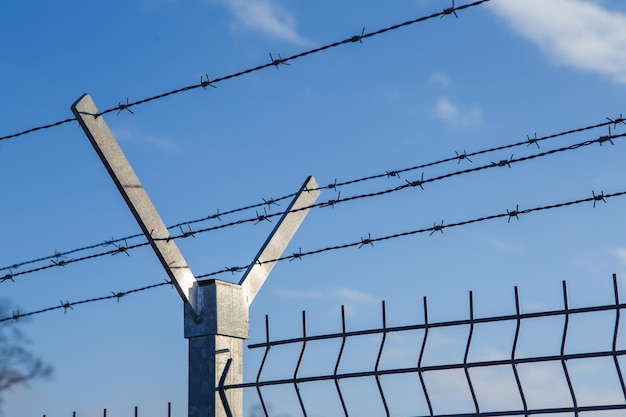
(369, 241)
(274, 63)
(67, 305)
(331, 203)
(218, 215)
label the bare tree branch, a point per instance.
(18, 365)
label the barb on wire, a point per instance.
(331, 203)
(504, 162)
(513, 213)
(358, 38)
(363, 242)
(437, 228)
(61, 263)
(118, 295)
(234, 269)
(271, 202)
(462, 156)
(262, 217)
(278, 62)
(597, 198)
(206, 83)
(8, 276)
(121, 249)
(121, 107)
(66, 305)
(608, 138)
(186, 233)
(296, 255)
(533, 141)
(449, 11)
(617, 121)
(416, 183)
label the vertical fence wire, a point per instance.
(295, 374)
(420, 361)
(222, 391)
(262, 366)
(518, 326)
(467, 351)
(344, 339)
(618, 369)
(380, 355)
(563, 344)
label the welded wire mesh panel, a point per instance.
(446, 368)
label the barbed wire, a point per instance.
(466, 156)
(66, 305)
(114, 241)
(330, 203)
(369, 241)
(204, 83)
(274, 201)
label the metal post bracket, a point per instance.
(137, 199)
(216, 312)
(278, 240)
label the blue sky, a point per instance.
(500, 72)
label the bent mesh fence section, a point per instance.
(570, 365)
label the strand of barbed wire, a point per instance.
(274, 62)
(120, 243)
(436, 228)
(266, 217)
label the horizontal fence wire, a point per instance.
(207, 82)
(368, 241)
(137, 410)
(60, 261)
(513, 363)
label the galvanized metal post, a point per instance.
(216, 312)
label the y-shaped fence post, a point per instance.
(216, 312)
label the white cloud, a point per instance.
(163, 143)
(439, 78)
(349, 295)
(265, 17)
(544, 386)
(151, 5)
(458, 116)
(621, 254)
(298, 295)
(345, 295)
(503, 245)
(353, 300)
(575, 33)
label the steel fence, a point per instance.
(574, 396)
